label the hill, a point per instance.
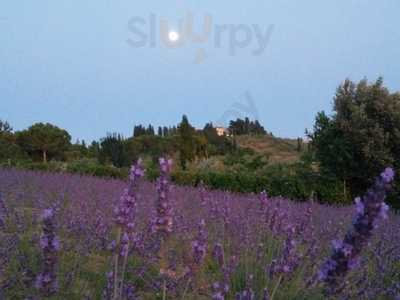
(278, 149)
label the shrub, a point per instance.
(90, 167)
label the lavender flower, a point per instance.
(108, 291)
(369, 210)
(204, 198)
(126, 210)
(289, 259)
(124, 245)
(265, 294)
(199, 245)
(245, 295)
(3, 212)
(220, 290)
(387, 176)
(263, 201)
(248, 293)
(46, 281)
(130, 293)
(359, 206)
(163, 223)
(218, 254)
(177, 265)
(125, 218)
(101, 231)
(218, 295)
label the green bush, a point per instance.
(91, 167)
(83, 167)
(52, 166)
(278, 180)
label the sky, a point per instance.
(99, 66)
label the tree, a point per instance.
(77, 151)
(5, 128)
(332, 149)
(362, 137)
(241, 127)
(94, 149)
(299, 146)
(9, 150)
(140, 130)
(217, 144)
(112, 148)
(160, 131)
(150, 130)
(47, 139)
(200, 145)
(165, 131)
(187, 143)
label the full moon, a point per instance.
(173, 36)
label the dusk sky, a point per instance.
(70, 63)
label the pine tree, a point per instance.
(187, 142)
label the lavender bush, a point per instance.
(47, 280)
(78, 237)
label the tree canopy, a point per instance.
(47, 139)
(5, 127)
(187, 142)
(362, 136)
(240, 127)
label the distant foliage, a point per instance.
(362, 136)
(298, 182)
(112, 149)
(187, 143)
(164, 131)
(9, 150)
(48, 140)
(240, 127)
(140, 130)
(217, 145)
(5, 128)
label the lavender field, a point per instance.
(75, 237)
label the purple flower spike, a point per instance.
(165, 165)
(383, 213)
(3, 212)
(125, 218)
(199, 245)
(387, 175)
(47, 213)
(265, 294)
(359, 206)
(369, 209)
(220, 291)
(130, 293)
(125, 212)
(248, 293)
(136, 171)
(218, 254)
(163, 224)
(46, 281)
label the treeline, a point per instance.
(246, 126)
(183, 142)
(346, 150)
(44, 142)
(140, 130)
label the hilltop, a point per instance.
(277, 149)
